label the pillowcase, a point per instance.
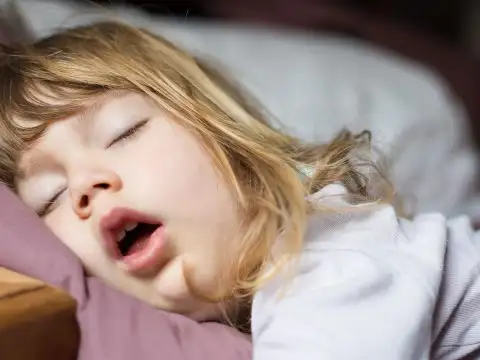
(113, 325)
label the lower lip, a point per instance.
(149, 257)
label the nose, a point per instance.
(88, 185)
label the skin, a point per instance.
(159, 170)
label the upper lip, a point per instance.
(114, 221)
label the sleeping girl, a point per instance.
(171, 186)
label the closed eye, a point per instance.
(47, 206)
(130, 133)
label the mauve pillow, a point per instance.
(113, 325)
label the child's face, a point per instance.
(124, 161)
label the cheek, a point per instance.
(179, 177)
(75, 236)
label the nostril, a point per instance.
(87, 196)
(83, 201)
(103, 186)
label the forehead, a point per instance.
(112, 105)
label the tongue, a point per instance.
(139, 244)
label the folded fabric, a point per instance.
(112, 324)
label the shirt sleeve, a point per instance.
(362, 290)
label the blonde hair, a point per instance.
(54, 78)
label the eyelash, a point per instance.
(130, 133)
(46, 207)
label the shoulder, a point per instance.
(429, 254)
(361, 270)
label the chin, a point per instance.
(197, 310)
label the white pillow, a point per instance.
(317, 85)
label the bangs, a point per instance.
(56, 77)
(29, 105)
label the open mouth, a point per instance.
(134, 237)
(134, 240)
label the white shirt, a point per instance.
(372, 286)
